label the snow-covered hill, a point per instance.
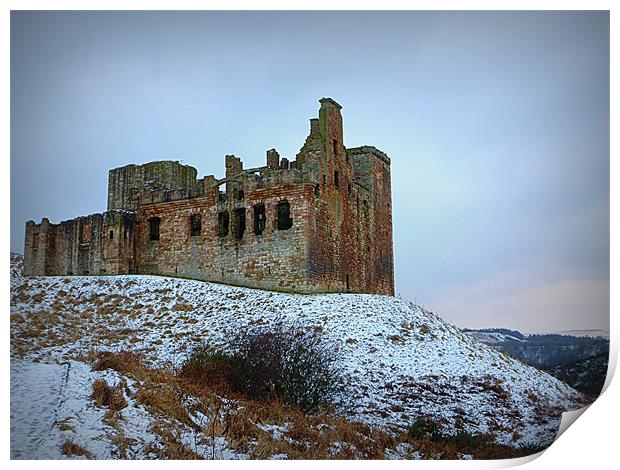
(400, 360)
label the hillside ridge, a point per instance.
(400, 361)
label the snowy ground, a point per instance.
(51, 405)
(401, 361)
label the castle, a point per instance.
(321, 223)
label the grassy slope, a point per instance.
(400, 360)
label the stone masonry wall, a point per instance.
(275, 259)
(127, 184)
(95, 244)
(335, 237)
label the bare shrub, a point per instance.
(214, 368)
(292, 365)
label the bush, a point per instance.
(461, 441)
(214, 368)
(423, 427)
(293, 366)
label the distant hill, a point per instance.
(586, 375)
(580, 361)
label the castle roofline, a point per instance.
(329, 101)
(152, 162)
(369, 149)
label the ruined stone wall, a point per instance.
(127, 184)
(275, 259)
(336, 235)
(95, 244)
(372, 171)
(351, 234)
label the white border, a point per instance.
(590, 444)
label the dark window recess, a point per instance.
(125, 234)
(195, 225)
(239, 223)
(240, 195)
(154, 228)
(35, 241)
(336, 179)
(259, 218)
(349, 186)
(335, 146)
(347, 282)
(111, 234)
(222, 223)
(324, 179)
(346, 157)
(317, 189)
(284, 215)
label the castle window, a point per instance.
(317, 189)
(85, 233)
(336, 179)
(349, 186)
(111, 235)
(324, 179)
(35, 241)
(240, 195)
(335, 146)
(284, 215)
(259, 218)
(154, 228)
(239, 223)
(195, 225)
(222, 223)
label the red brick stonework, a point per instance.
(321, 223)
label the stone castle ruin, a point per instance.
(321, 223)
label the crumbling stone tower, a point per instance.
(320, 223)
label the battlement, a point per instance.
(319, 223)
(369, 150)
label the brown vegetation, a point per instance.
(70, 448)
(109, 397)
(245, 423)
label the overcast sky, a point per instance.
(497, 125)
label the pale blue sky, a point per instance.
(497, 125)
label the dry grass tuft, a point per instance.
(70, 448)
(106, 396)
(164, 399)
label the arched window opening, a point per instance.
(195, 225)
(284, 215)
(239, 223)
(222, 222)
(154, 223)
(259, 218)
